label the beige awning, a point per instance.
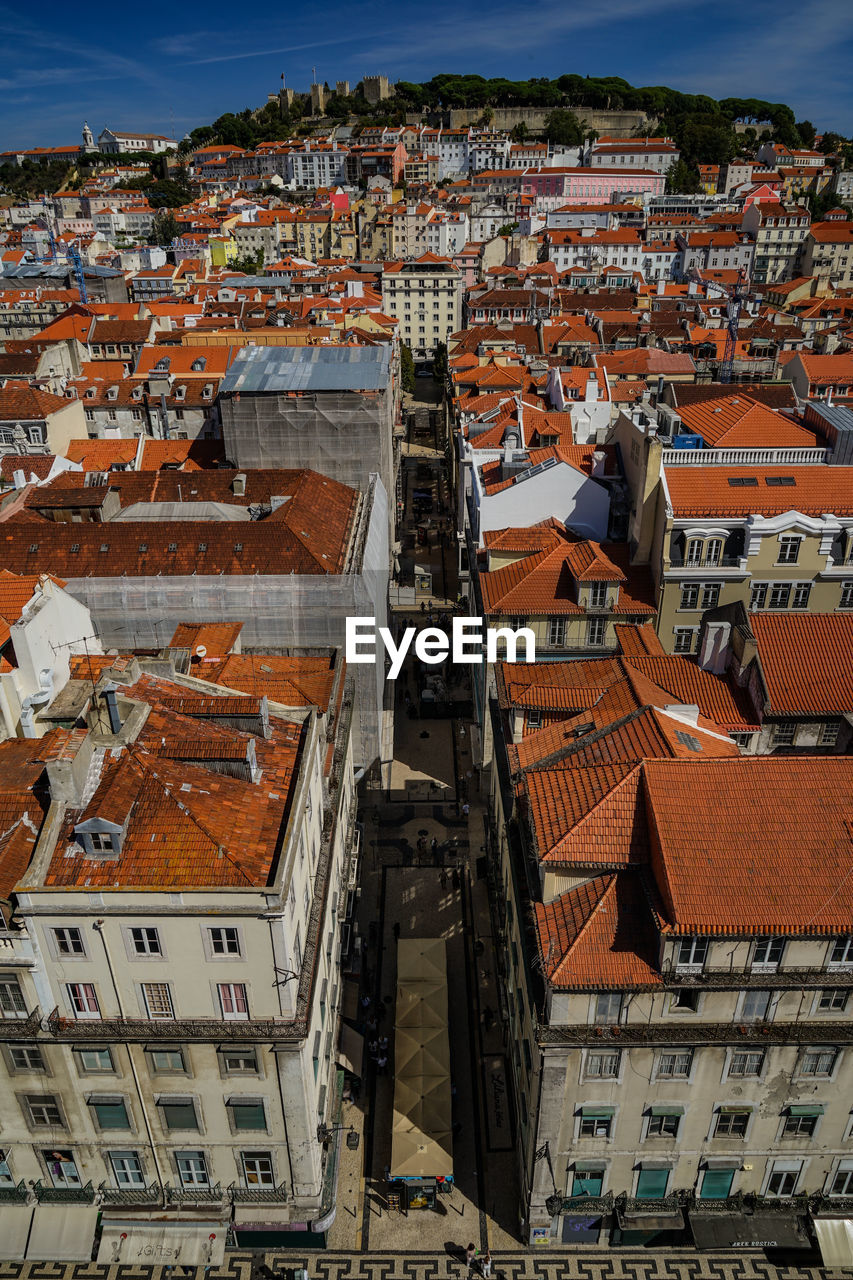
(415, 1154)
(835, 1237)
(15, 1222)
(163, 1242)
(421, 1004)
(422, 1051)
(421, 960)
(351, 1050)
(62, 1233)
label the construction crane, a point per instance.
(72, 253)
(735, 304)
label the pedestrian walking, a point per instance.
(466, 809)
(382, 1063)
(443, 880)
(470, 1255)
(383, 1044)
(433, 846)
(456, 880)
(486, 1265)
(396, 930)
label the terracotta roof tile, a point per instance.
(705, 491)
(599, 936)
(806, 661)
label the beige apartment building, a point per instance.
(425, 298)
(678, 1046)
(172, 978)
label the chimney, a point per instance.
(20, 479)
(238, 485)
(109, 694)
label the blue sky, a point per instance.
(163, 65)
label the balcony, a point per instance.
(151, 1195)
(63, 1195)
(677, 1034)
(14, 1195)
(20, 1028)
(600, 606)
(195, 1195)
(137, 1030)
(258, 1195)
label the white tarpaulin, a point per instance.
(835, 1237)
(162, 1243)
(15, 1222)
(62, 1233)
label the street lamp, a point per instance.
(326, 1131)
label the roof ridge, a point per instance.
(610, 877)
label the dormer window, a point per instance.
(180, 393)
(199, 366)
(207, 393)
(137, 393)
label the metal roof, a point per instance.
(308, 369)
(835, 415)
(47, 270)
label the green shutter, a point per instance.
(810, 1109)
(652, 1183)
(598, 1113)
(665, 1110)
(111, 1115)
(716, 1184)
(249, 1115)
(588, 1182)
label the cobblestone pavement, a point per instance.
(592, 1264)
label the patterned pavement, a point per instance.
(591, 1264)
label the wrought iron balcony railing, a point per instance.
(63, 1195)
(20, 1028)
(140, 1029)
(258, 1195)
(131, 1195)
(677, 1034)
(14, 1195)
(195, 1195)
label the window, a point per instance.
(842, 1183)
(534, 718)
(608, 1007)
(833, 1001)
(257, 1168)
(6, 1179)
(597, 591)
(783, 733)
(652, 1184)
(755, 1006)
(12, 999)
(239, 1061)
(714, 551)
(710, 595)
(685, 1000)
(758, 595)
(801, 1122)
(780, 594)
(596, 632)
(62, 1168)
(846, 601)
(127, 1169)
(587, 1181)
(595, 1122)
(192, 1168)
(767, 953)
(789, 549)
(247, 1113)
(94, 1060)
(69, 942)
(818, 1062)
(164, 1060)
(145, 941)
(829, 732)
(158, 1000)
(694, 551)
(842, 951)
(663, 1124)
(683, 639)
(233, 1001)
(675, 1065)
(43, 1111)
(224, 942)
(800, 599)
(556, 631)
(689, 595)
(783, 1179)
(692, 953)
(83, 1000)
(602, 1066)
(110, 1112)
(731, 1122)
(178, 1113)
(26, 1057)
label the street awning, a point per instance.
(163, 1242)
(673, 1221)
(835, 1237)
(62, 1233)
(748, 1231)
(15, 1222)
(351, 1050)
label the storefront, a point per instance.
(62, 1233)
(162, 1242)
(726, 1229)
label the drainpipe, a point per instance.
(99, 926)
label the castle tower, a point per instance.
(88, 138)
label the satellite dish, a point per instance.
(200, 651)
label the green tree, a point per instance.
(407, 369)
(807, 133)
(507, 229)
(439, 361)
(249, 265)
(164, 229)
(683, 179)
(519, 132)
(563, 128)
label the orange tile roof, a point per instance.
(635, 640)
(738, 422)
(760, 844)
(18, 401)
(599, 936)
(543, 583)
(806, 661)
(217, 638)
(705, 491)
